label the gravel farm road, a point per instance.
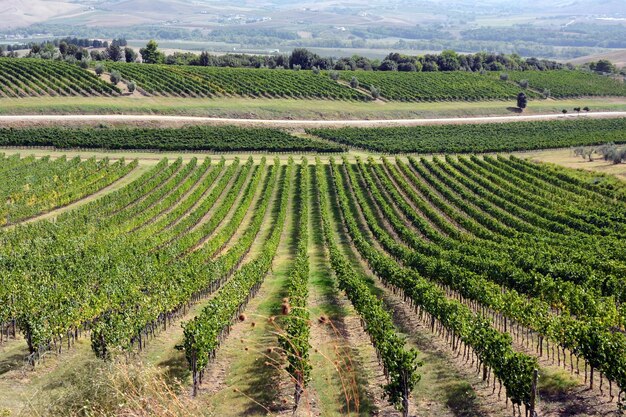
(25, 120)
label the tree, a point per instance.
(564, 111)
(302, 57)
(81, 53)
(114, 52)
(388, 65)
(430, 66)
(99, 69)
(354, 82)
(63, 48)
(95, 55)
(522, 101)
(131, 87)
(130, 55)
(204, 59)
(375, 92)
(523, 84)
(504, 76)
(323, 63)
(334, 75)
(577, 110)
(1, 51)
(448, 61)
(119, 42)
(603, 66)
(586, 109)
(116, 77)
(407, 67)
(150, 54)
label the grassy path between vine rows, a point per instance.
(334, 344)
(448, 387)
(239, 382)
(162, 351)
(372, 371)
(560, 392)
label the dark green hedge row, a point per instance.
(205, 138)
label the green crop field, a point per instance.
(197, 138)
(31, 186)
(567, 84)
(214, 82)
(33, 77)
(506, 261)
(36, 78)
(434, 86)
(494, 137)
(472, 138)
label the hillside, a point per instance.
(616, 57)
(437, 261)
(33, 77)
(20, 13)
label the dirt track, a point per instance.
(28, 120)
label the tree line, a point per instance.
(302, 58)
(75, 50)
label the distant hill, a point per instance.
(617, 57)
(19, 13)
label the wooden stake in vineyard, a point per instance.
(533, 395)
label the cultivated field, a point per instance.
(426, 139)
(445, 282)
(489, 137)
(33, 77)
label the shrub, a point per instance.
(131, 87)
(99, 69)
(334, 75)
(116, 77)
(504, 76)
(375, 92)
(354, 82)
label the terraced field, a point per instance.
(510, 267)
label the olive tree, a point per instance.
(522, 101)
